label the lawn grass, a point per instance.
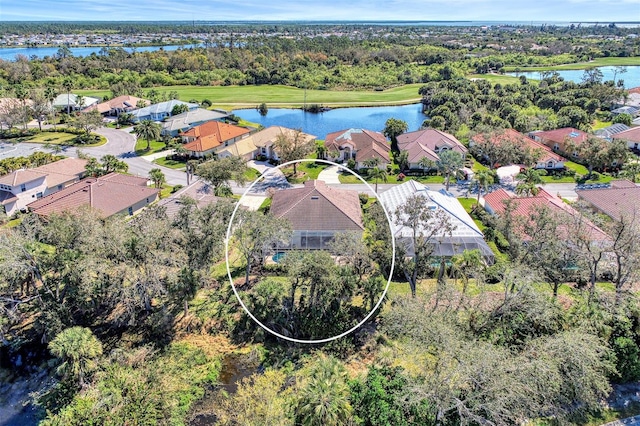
(391, 178)
(166, 190)
(286, 96)
(155, 146)
(172, 164)
(598, 62)
(496, 78)
(251, 174)
(306, 170)
(53, 138)
(599, 124)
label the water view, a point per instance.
(9, 53)
(319, 124)
(631, 77)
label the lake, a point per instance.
(9, 53)
(319, 124)
(631, 77)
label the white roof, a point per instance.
(185, 119)
(162, 107)
(61, 101)
(460, 219)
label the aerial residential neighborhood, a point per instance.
(319, 223)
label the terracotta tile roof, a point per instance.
(123, 102)
(525, 206)
(431, 139)
(268, 136)
(622, 198)
(368, 144)
(108, 194)
(317, 207)
(62, 171)
(631, 135)
(514, 137)
(21, 176)
(560, 135)
(634, 90)
(211, 135)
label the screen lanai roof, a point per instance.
(465, 235)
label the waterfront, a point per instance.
(631, 77)
(10, 53)
(319, 124)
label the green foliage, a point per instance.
(77, 347)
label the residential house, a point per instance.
(621, 198)
(73, 102)
(159, 111)
(465, 235)
(608, 132)
(264, 140)
(317, 212)
(199, 192)
(358, 144)
(632, 99)
(21, 187)
(496, 203)
(428, 143)
(558, 139)
(182, 122)
(212, 137)
(110, 195)
(627, 109)
(631, 137)
(548, 159)
(116, 106)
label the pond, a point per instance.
(631, 77)
(319, 124)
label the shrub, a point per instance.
(401, 176)
(351, 164)
(364, 198)
(176, 188)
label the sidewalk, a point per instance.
(157, 155)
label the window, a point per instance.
(556, 147)
(550, 164)
(130, 211)
(59, 187)
(23, 187)
(39, 195)
(574, 154)
(147, 200)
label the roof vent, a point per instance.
(574, 134)
(314, 197)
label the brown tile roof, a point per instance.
(368, 144)
(268, 136)
(198, 191)
(21, 176)
(514, 137)
(622, 198)
(432, 139)
(560, 135)
(108, 194)
(632, 135)
(211, 135)
(123, 102)
(634, 90)
(317, 207)
(525, 206)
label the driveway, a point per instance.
(272, 177)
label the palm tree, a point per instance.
(449, 163)
(377, 174)
(527, 189)
(78, 348)
(529, 181)
(466, 265)
(324, 397)
(157, 177)
(321, 151)
(630, 170)
(50, 94)
(148, 130)
(22, 94)
(68, 85)
(483, 179)
(371, 163)
(425, 163)
(110, 163)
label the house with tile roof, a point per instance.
(317, 212)
(159, 111)
(631, 137)
(608, 132)
(621, 198)
(496, 203)
(111, 194)
(199, 192)
(265, 139)
(547, 159)
(212, 137)
(465, 235)
(182, 122)
(358, 144)
(558, 139)
(73, 101)
(21, 187)
(428, 143)
(116, 106)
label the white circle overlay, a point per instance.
(235, 290)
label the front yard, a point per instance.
(391, 178)
(154, 147)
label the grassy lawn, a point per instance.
(172, 164)
(53, 138)
(251, 174)
(496, 78)
(598, 124)
(598, 62)
(155, 146)
(286, 96)
(166, 190)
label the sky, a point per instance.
(310, 10)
